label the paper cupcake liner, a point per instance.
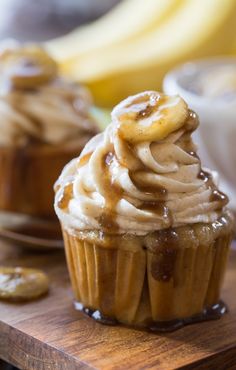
(220, 253)
(107, 280)
(195, 283)
(121, 284)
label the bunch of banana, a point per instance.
(135, 44)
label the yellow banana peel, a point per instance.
(125, 22)
(185, 30)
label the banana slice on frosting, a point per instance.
(27, 66)
(149, 116)
(22, 284)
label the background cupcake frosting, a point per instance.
(35, 104)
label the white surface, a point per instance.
(216, 136)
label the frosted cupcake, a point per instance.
(44, 123)
(146, 230)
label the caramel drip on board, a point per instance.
(210, 313)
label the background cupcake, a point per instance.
(44, 123)
(146, 230)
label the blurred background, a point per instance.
(121, 47)
(33, 20)
(118, 48)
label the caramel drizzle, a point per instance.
(144, 113)
(66, 196)
(187, 144)
(157, 191)
(150, 109)
(216, 194)
(192, 122)
(84, 159)
(147, 111)
(114, 194)
(166, 250)
(107, 220)
(194, 154)
(67, 193)
(159, 208)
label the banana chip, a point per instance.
(22, 284)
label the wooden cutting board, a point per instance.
(50, 334)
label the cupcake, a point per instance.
(146, 230)
(44, 123)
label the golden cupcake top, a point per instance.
(142, 174)
(36, 103)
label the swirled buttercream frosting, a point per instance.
(142, 174)
(38, 105)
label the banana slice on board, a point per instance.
(22, 284)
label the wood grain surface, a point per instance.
(49, 334)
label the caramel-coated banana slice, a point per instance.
(149, 116)
(22, 284)
(27, 66)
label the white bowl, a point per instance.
(216, 135)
